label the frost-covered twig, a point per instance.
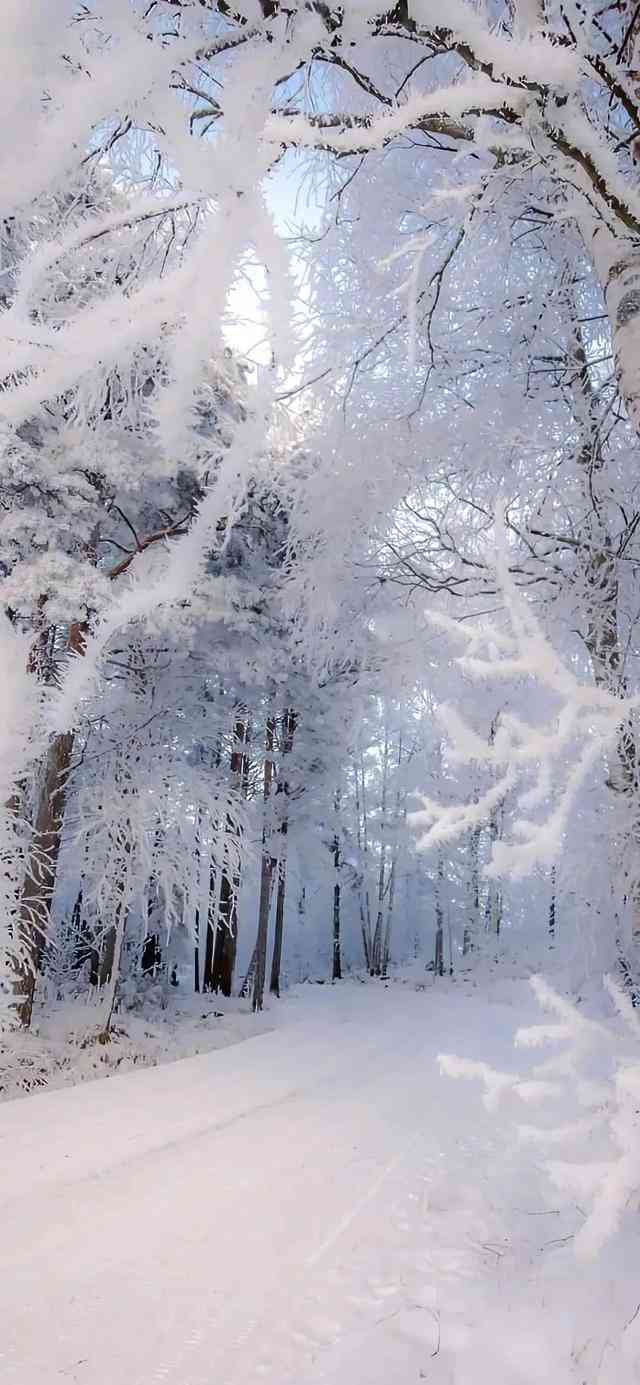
(608, 1185)
(538, 766)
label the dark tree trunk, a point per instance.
(266, 881)
(337, 952)
(224, 960)
(363, 889)
(226, 930)
(470, 934)
(249, 978)
(107, 956)
(288, 733)
(85, 949)
(376, 949)
(439, 950)
(34, 910)
(211, 939)
(266, 878)
(276, 959)
(386, 951)
(151, 959)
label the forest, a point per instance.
(320, 591)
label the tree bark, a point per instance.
(278, 935)
(617, 265)
(336, 973)
(289, 722)
(34, 910)
(226, 930)
(266, 876)
(363, 889)
(399, 825)
(438, 962)
(114, 941)
(376, 951)
(207, 972)
(470, 934)
(386, 952)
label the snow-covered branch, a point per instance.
(538, 766)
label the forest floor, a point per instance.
(316, 1206)
(61, 1049)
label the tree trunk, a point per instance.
(337, 952)
(617, 265)
(620, 278)
(470, 935)
(86, 950)
(114, 940)
(34, 910)
(276, 958)
(552, 909)
(151, 955)
(207, 973)
(493, 905)
(289, 722)
(376, 951)
(107, 956)
(361, 838)
(439, 948)
(266, 876)
(386, 953)
(399, 826)
(247, 984)
(112, 984)
(226, 932)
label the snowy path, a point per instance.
(315, 1205)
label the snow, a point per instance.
(61, 1048)
(317, 1204)
(477, 93)
(536, 58)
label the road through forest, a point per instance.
(317, 1204)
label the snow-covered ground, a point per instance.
(61, 1047)
(317, 1204)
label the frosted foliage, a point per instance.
(436, 218)
(540, 768)
(596, 1073)
(319, 663)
